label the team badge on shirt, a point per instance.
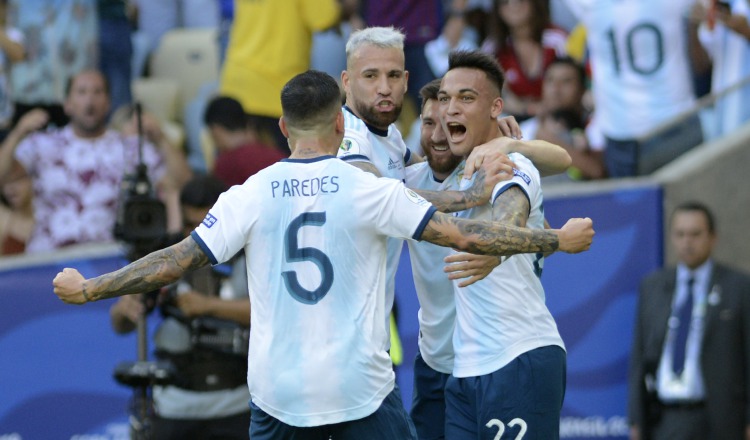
(415, 198)
(210, 220)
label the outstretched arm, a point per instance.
(548, 158)
(151, 272)
(490, 238)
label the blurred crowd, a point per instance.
(613, 82)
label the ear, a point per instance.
(497, 107)
(345, 80)
(283, 128)
(406, 79)
(340, 122)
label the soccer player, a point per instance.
(316, 269)
(509, 364)
(443, 170)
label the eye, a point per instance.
(442, 99)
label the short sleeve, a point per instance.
(355, 148)
(225, 229)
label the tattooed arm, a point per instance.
(151, 272)
(367, 167)
(492, 238)
(489, 175)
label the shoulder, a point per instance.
(658, 278)
(725, 273)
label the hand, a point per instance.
(193, 304)
(32, 121)
(131, 307)
(509, 127)
(496, 149)
(68, 286)
(473, 267)
(576, 235)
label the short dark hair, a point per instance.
(429, 91)
(474, 59)
(202, 191)
(226, 112)
(578, 67)
(310, 99)
(696, 206)
(72, 78)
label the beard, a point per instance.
(375, 118)
(441, 164)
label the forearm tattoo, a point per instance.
(151, 272)
(454, 201)
(487, 238)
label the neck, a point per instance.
(310, 148)
(89, 134)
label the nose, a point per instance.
(384, 87)
(438, 135)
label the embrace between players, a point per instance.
(321, 265)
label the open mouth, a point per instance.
(456, 131)
(385, 106)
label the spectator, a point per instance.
(270, 43)
(16, 213)
(77, 170)
(525, 42)
(563, 120)
(727, 41)
(240, 153)
(690, 360)
(642, 78)
(115, 49)
(208, 397)
(11, 51)
(61, 39)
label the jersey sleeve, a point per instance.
(402, 213)
(525, 176)
(226, 228)
(355, 147)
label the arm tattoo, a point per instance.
(511, 207)
(487, 238)
(453, 201)
(151, 272)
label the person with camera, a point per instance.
(77, 170)
(203, 335)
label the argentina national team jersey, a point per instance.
(504, 315)
(387, 151)
(640, 62)
(437, 312)
(314, 232)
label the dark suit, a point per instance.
(724, 358)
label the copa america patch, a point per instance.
(415, 198)
(347, 145)
(522, 175)
(210, 220)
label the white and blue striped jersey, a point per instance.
(504, 315)
(387, 151)
(730, 53)
(314, 233)
(640, 62)
(437, 305)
